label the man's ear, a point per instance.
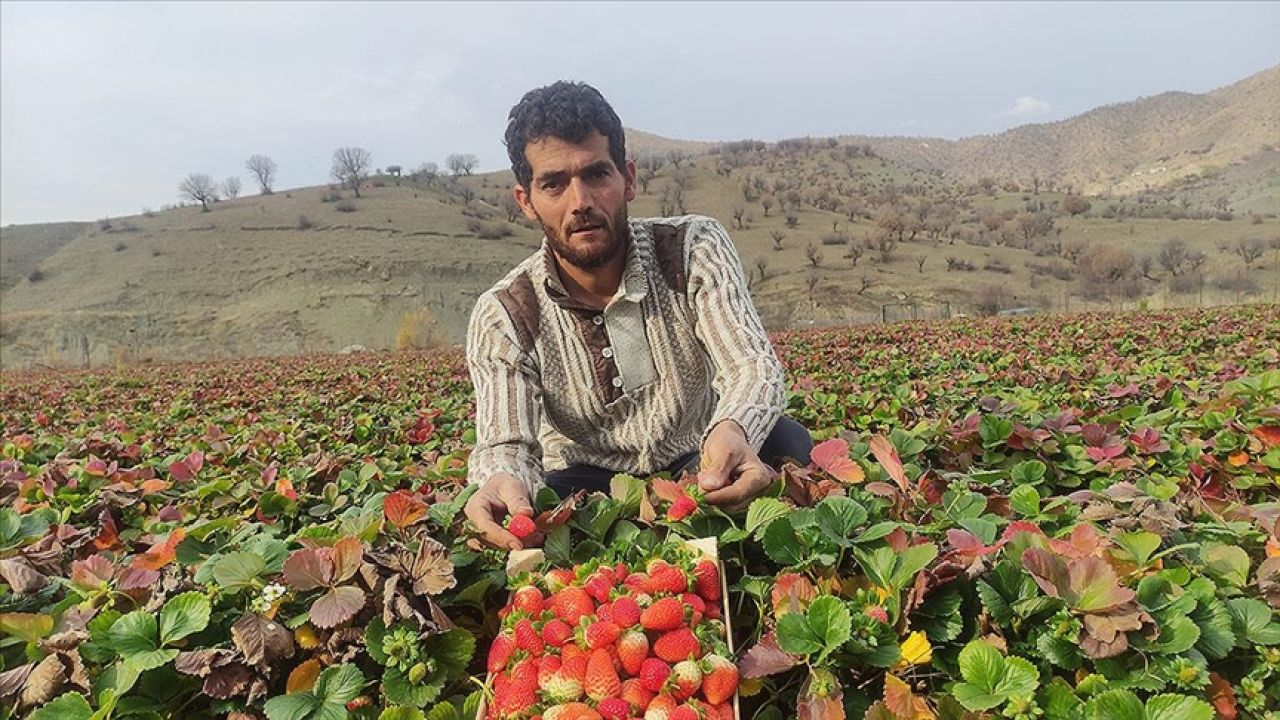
(629, 171)
(526, 203)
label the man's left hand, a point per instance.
(732, 474)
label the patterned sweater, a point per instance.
(631, 388)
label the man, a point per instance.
(622, 345)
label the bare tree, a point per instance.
(812, 280)
(461, 163)
(865, 283)
(351, 167)
(738, 212)
(426, 173)
(1250, 248)
(1075, 205)
(644, 176)
(762, 264)
(883, 242)
(1172, 255)
(264, 171)
(766, 202)
(920, 263)
(200, 188)
(509, 204)
(813, 254)
(677, 157)
(777, 236)
(855, 251)
(231, 188)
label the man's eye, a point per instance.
(550, 185)
(601, 173)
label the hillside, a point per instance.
(1123, 148)
(831, 232)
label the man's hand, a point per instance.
(501, 495)
(732, 474)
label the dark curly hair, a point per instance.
(566, 110)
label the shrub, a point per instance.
(834, 239)
(1186, 283)
(960, 264)
(488, 230)
(345, 206)
(121, 246)
(997, 265)
(304, 223)
(418, 330)
(329, 196)
(35, 276)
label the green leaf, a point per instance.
(981, 665)
(1178, 707)
(1216, 635)
(1252, 622)
(1059, 650)
(1115, 705)
(1228, 562)
(1140, 545)
(238, 570)
(149, 660)
(444, 711)
(67, 706)
(183, 615)
(911, 561)
(1020, 678)
(975, 698)
(762, 512)
(628, 491)
(1028, 472)
(30, 627)
(838, 516)
(134, 633)
(875, 532)
(402, 712)
(781, 543)
(796, 637)
(298, 706)
(558, 549)
(1025, 501)
(452, 649)
(398, 689)
(339, 684)
(830, 621)
(471, 706)
(1177, 635)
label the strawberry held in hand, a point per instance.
(522, 526)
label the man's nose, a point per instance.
(579, 196)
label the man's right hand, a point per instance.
(500, 496)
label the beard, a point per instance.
(589, 253)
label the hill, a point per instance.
(1124, 148)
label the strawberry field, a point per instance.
(1062, 518)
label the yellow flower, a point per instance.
(915, 651)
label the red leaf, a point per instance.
(766, 658)
(337, 606)
(902, 702)
(403, 508)
(666, 489)
(1268, 434)
(832, 456)
(160, 554)
(347, 555)
(108, 534)
(308, 569)
(560, 514)
(92, 572)
(1223, 697)
(821, 697)
(887, 455)
(792, 592)
(968, 544)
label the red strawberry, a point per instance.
(601, 633)
(558, 579)
(636, 694)
(522, 526)
(665, 577)
(633, 648)
(571, 603)
(556, 633)
(571, 711)
(625, 611)
(614, 709)
(683, 507)
(654, 674)
(697, 607)
(706, 580)
(677, 645)
(721, 679)
(875, 612)
(599, 586)
(602, 679)
(666, 614)
(723, 711)
(638, 582)
(660, 708)
(686, 677)
(500, 652)
(528, 599)
(605, 611)
(575, 666)
(527, 637)
(684, 712)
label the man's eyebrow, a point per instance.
(598, 165)
(551, 175)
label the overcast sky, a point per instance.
(104, 107)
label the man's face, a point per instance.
(579, 197)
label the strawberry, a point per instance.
(697, 608)
(723, 711)
(686, 677)
(677, 645)
(654, 674)
(576, 666)
(571, 711)
(602, 679)
(636, 694)
(527, 638)
(600, 633)
(660, 708)
(638, 582)
(528, 599)
(522, 526)
(604, 611)
(875, 612)
(665, 614)
(625, 611)
(561, 687)
(599, 585)
(682, 507)
(500, 652)
(558, 579)
(706, 580)
(633, 648)
(556, 633)
(684, 712)
(721, 679)
(614, 709)
(571, 603)
(665, 577)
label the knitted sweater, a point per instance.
(678, 349)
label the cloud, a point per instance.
(1027, 106)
